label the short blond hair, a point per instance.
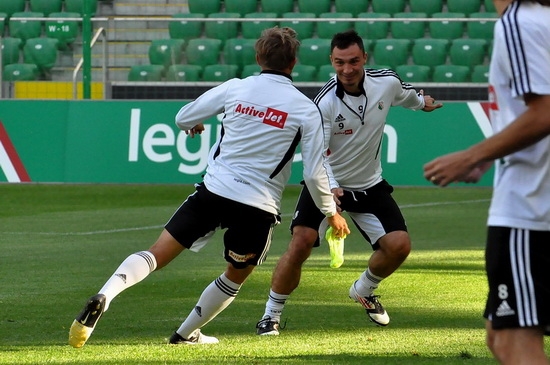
(277, 48)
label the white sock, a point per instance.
(214, 299)
(274, 305)
(367, 283)
(131, 271)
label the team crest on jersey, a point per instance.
(380, 105)
(263, 114)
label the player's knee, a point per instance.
(303, 239)
(396, 244)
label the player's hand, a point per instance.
(430, 104)
(198, 129)
(450, 168)
(336, 194)
(339, 225)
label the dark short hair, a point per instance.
(345, 39)
(542, 2)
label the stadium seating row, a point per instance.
(303, 73)
(323, 6)
(315, 51)
(64, 31)
(42, 52)
(368, 25)
(46, 7)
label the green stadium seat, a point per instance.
(369, 45)
(183, 73)
(468, 52)
(372, 29)
(325, 73)
(205, 7)
(11, 48)
(42, 52)
(304, 73)
(77, 6)
(451, 73)
(203, 51)
(447, 29)
(253, 29)
(480, 73)
(316, 7)
(304, 29)
(489, 6)
(328, 28)
(3, 21)
(426, 6)
(239, 51)
(20, 72)
(251, 70)
(219, 73)
(388, 6)
(464, 6)
(242, 7)
(25, 29)
(430, 51)
(222, 29)
(46, 6)
(166, 52)
(355, 7)
(414, 73)
(278, 7)
(482, 29)
(392, 52)
(185, 28)
(146, 73)
(314, 51)
(408, 29)
(12, 6)
(377, 66)
(65, 31)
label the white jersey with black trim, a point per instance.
(265, 117)
(354, 125)
(520, 65)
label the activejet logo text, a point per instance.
(266, 115)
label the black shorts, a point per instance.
(248, 229)
(373, 211)
(518, 270)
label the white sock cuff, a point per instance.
(149, 258)
(278, 298)
(370, 276)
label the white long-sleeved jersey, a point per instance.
(265, 119)
(354, 125)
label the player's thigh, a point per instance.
(248, 235)
(196, 218)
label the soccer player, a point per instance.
(265, 117)
(518, 238)
(354, 104)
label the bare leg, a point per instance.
(288, 271)
(394, 249)
(517, 346)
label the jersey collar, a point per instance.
(274, 72)
(340, 88)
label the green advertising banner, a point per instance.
(138, 142)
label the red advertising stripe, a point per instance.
(13, 156)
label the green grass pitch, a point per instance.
(60, 243)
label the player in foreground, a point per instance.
(265, 119)
(354, 105)
(518, 239)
